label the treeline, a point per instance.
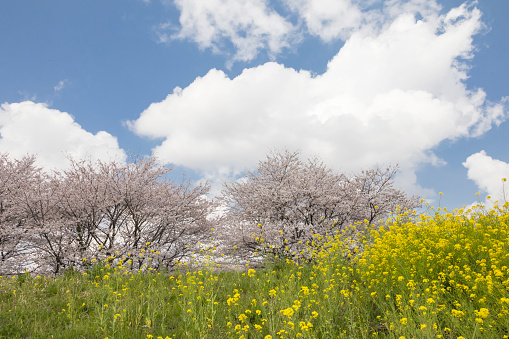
(106, 211)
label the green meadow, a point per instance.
(435, 275)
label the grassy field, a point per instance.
(440, 275)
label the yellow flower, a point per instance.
(305, 326)
(242, 317)
(403, 321)
(288, 312)
(482, 313)
(456, 313)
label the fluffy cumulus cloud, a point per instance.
(488, 173)
(249, 25)
(33, 128)
(391, 94)
(328, 19)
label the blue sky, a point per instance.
(211, 86)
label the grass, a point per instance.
(443, 275)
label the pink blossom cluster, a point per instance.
(282, 206)
(97, 211)
(131, 213)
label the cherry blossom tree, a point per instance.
(111, 211)
(149, 211)
(16, 177)
(279, 208)
(47, 240)
(86, 204)
(122, 210)
(102, 210)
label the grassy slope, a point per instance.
(440, 276)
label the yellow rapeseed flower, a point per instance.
(287, 312)
(482, 313)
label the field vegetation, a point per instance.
(439, 274)
(291, 250)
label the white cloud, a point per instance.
(328, 19)
(29, 127)
(251, 25)
(388, 96)
(427, 9)
(487, 173)
(246, 24)
(60, 85)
